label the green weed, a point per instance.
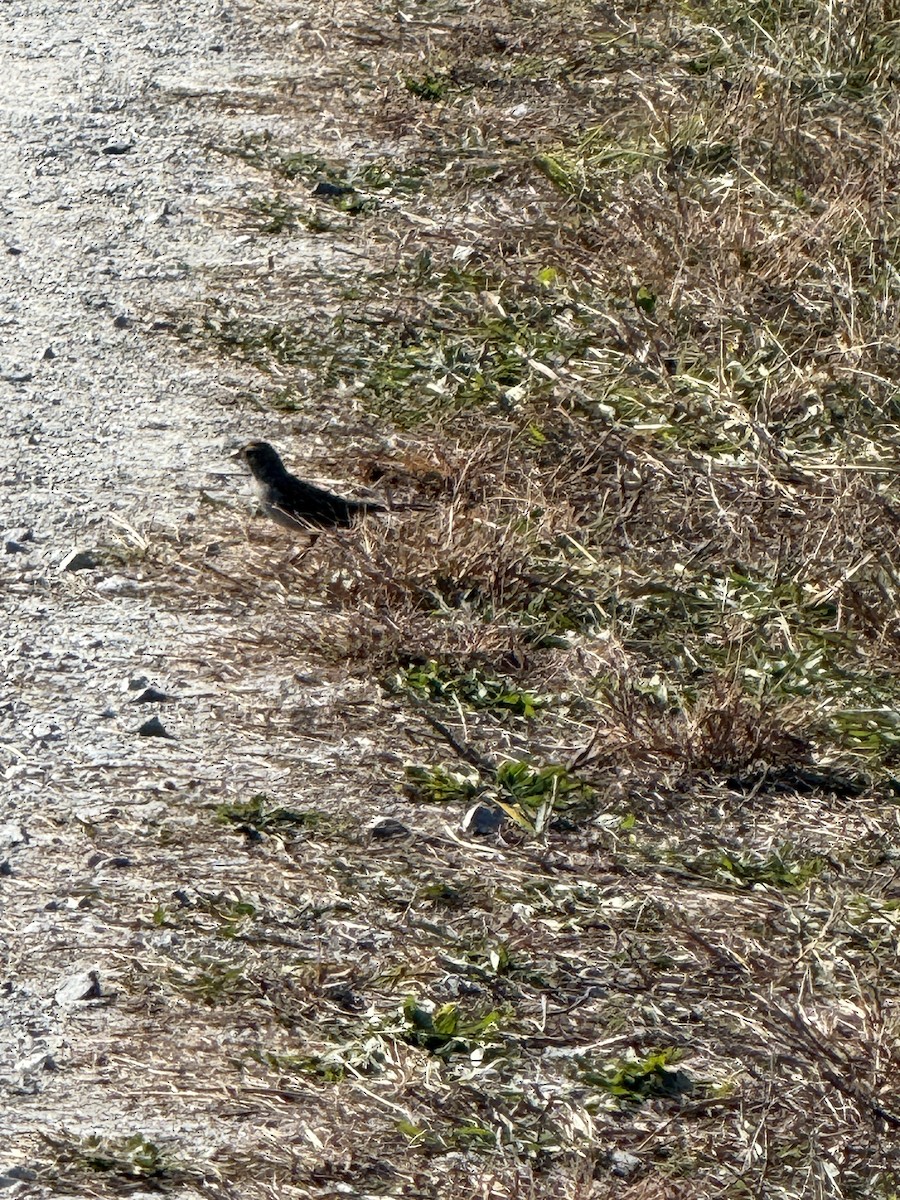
(444, 1031)
(472, 689)
(634, 1081)
(123, 1164)
(260, 815)
(781, 869)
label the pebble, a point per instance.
(12, 834)
(119, 585)
(482, 819)
(151, 695)
(77, 988)
(387, 827)
(154, 728)
(622, 1163)
(78, 560)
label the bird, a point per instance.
(294, 503)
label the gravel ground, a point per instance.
(112, 434)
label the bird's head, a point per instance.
(260, 457)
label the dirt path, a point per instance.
(110, 434)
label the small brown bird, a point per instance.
(293, 503)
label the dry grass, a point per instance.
(627, 320)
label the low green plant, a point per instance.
(473, 689)
(438, 785)
(780, 869)
(134, 1160)
(472, 1137)
(365, 1056)
(428, 86)
(873, 732)
(260, 815)
(444, 1031)
(276, 214)
(633, 1081)
(214, 983)
(531, 796)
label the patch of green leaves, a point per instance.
(473, 689)
(348, 187)
(429, 86)
(437, 785)
(366, 1056)
(134, 1160)
(472, 1137)
(633, 1081)
(260, 815)
(873, 732)
(446, 1031)
(277, 214)
(781, 869)
(261, 345)
(534, 797)
(214, 983)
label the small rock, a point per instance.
(77, 988)
(387, 827)
(36, 1062)
(14, 250)
(12, 834)
(49, 354)
(151, 695)
(17, 376)
(5, 869)
(25, 1173)
(136, 682)
(118, 585)
(483, 819)
(122, 321)
(324, 188)
(78, 560)
(16, 548)
(118, 146)
(458, 985)
(159, 216)
(18, 1175)
(622, 1163)
(154, 728)
(46, 733)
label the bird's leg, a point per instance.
(296, 557)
